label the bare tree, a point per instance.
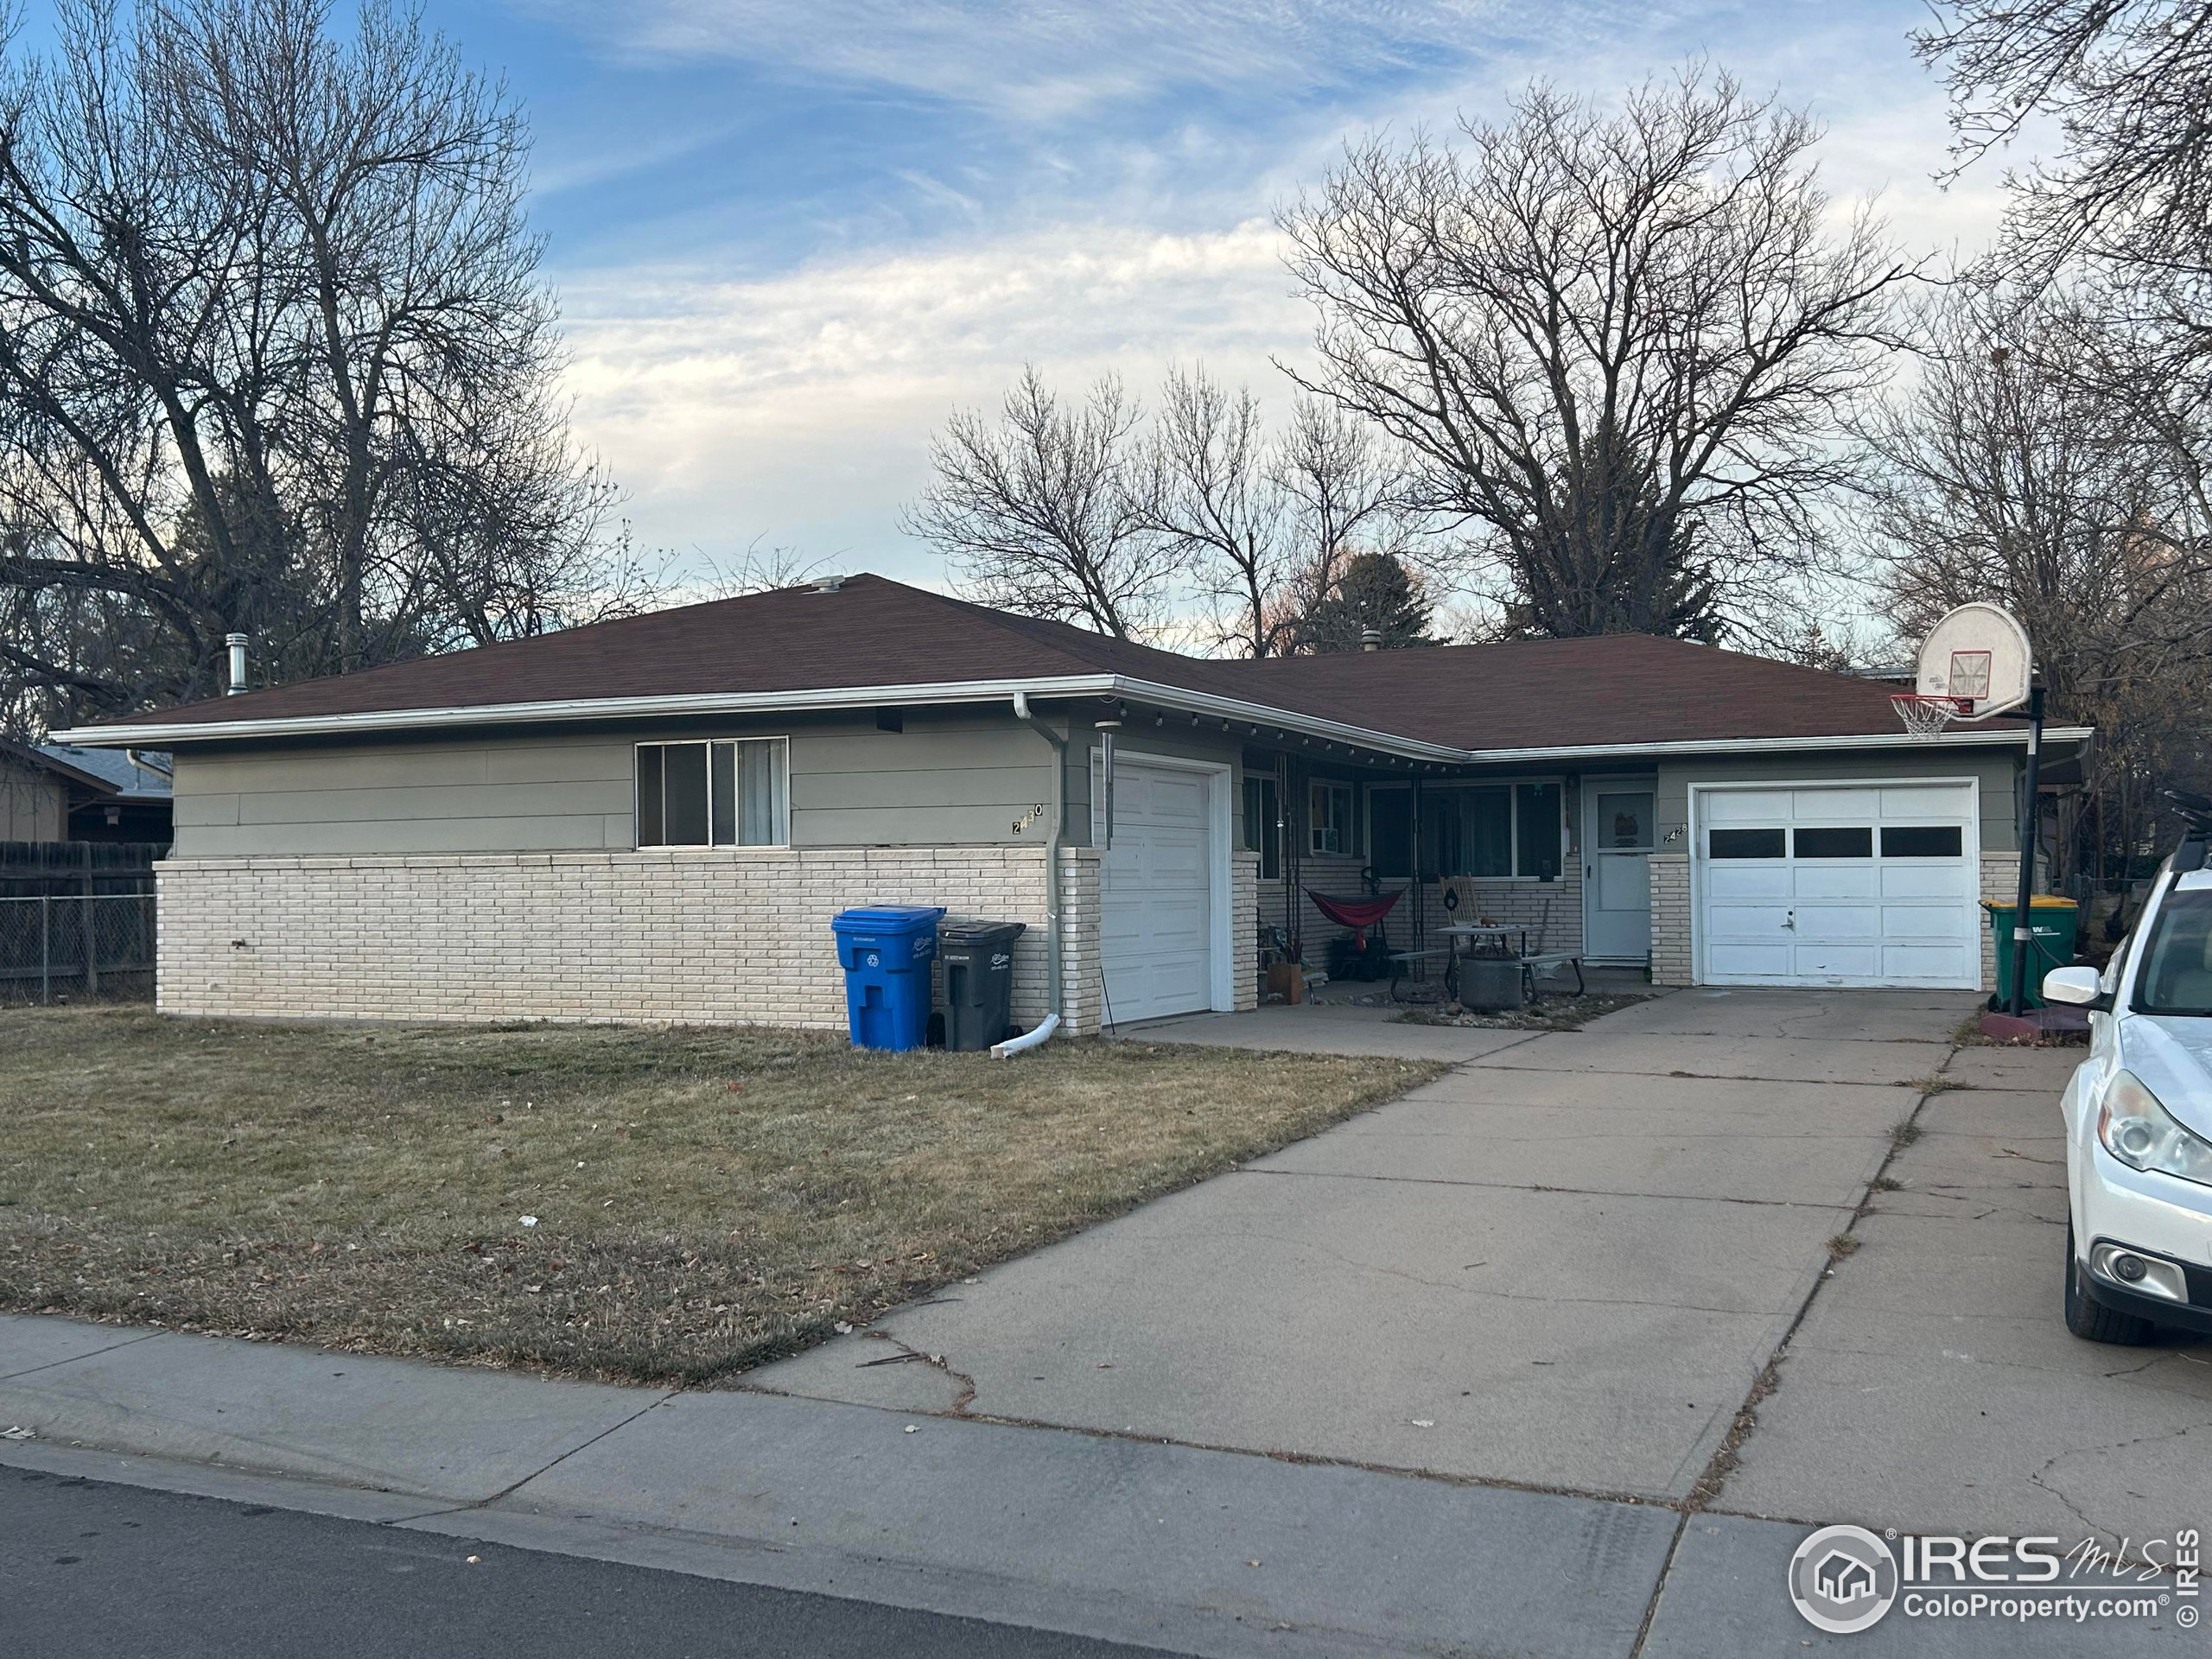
(1615, 347)
(762, 568)
(274, 356)
(1266, 522)
(2022, 470)
(2129, 193)
(1042, 511)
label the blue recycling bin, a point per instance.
(886, 952)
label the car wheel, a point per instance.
(2091, 1320)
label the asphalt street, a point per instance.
(93, 1571)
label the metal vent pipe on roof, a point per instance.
(237, 642)
(1371, 638)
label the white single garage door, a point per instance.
(1853, 885)
(1156, 923)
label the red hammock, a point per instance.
(1358, 914)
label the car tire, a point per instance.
(2092, 1320)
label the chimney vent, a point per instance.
(1371, 638)
(237, 642)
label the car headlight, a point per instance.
(2136, 1130)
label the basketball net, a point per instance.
(1925, 716)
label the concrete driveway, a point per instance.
(1564, 1264)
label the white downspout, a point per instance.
(1055, 1000)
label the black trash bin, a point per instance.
(978, 959)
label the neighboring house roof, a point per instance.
(876, 640)
(130, 774)
(60, 766)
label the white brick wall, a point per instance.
(2000, 884)
(1670, 918)
(1245, 926)
(705, 937)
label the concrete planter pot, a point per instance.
(1491, 983)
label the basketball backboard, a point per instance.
(1978, 656)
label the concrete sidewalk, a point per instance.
(1173, 1547)
(1191, 1550)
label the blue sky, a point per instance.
(790, 235)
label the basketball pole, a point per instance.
(2030, 822)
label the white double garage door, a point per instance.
(1855, 885)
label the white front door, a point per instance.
(1616, 870)
(1875, 884)
(1156, 900)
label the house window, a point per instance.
(1500, 830)
(1330, 821)
(713, 794)
(1390, 831)
(1263, 825)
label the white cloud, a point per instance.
(1048, 62)
(801, 406)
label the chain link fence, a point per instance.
(77, 948)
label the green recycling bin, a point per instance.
(2050, 919)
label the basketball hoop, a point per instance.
(1926, 716)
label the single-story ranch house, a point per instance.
(656, 818)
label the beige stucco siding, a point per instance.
(945, 780)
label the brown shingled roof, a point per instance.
(1618, 690)
(1628, 689)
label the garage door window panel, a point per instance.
(1748, 843)
(1921, 840)
(1856, 842)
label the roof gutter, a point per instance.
(1260, 718)
(1954, 737)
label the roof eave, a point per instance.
(1953, 737)
(1231, 711)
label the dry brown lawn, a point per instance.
(705, 1199)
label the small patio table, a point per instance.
(1517, 950)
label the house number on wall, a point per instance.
(1029, 818)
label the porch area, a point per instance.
(1557, 862)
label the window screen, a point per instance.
(731, 794)
(1263, 822)
(1745, 843)
(1921, 840)
(1855, 841)
(1536, 811)
(1390, 831)
(1331, 825)
(1498, 831)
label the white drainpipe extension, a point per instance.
(1055, 999)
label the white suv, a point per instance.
(2138, 1120)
